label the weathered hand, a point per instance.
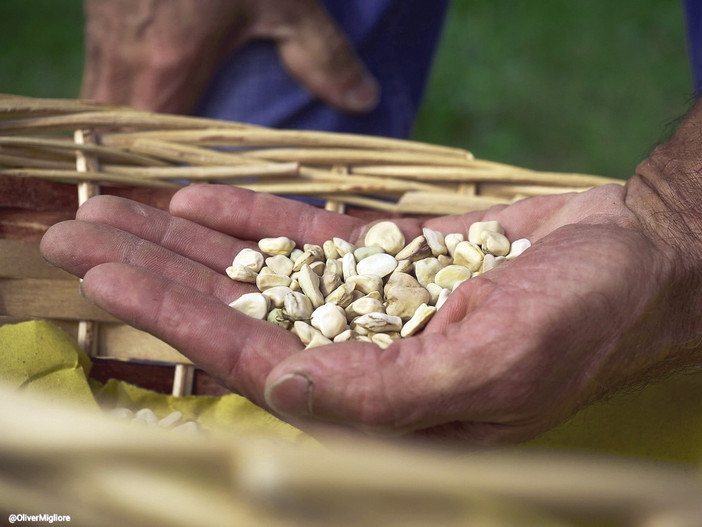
(160, 55)
(590, 307)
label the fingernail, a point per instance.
(291, 395)
(363, 97)
(82, 293)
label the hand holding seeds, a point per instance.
(511, 352)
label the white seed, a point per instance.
(365, 305)
(366, 283)
(305, 332)
(280, 264)
(420, 319)
(329, 282)
(298, 306)
(495, 243)
(518, 247)
(146, 415)
(189, 427)
(404, 301)
(329, 319)
(348, 265)
(445, 259)
(249, 258)
(280, 245)
(386, 235)
(309, 283)
(318, 268)
(449, 277)
(330, 251)
(468, 255)
(425, 270)
(364, 252)
(443, 296)
(476, 230)
(295, 254)
(417, 249)
(491, 261)
(452, 240)
(171, 419)
(276, 295)
(265, 281)
(313, 253)
(318, 340)
(436, 241)
(434, 292)
(344, 336)
(241, 273)
(342, 296)
(380, 264)
(379, 322)
(335, 266)
(343, 247)
(404, 266)
(254, 305)
(382, 340)
(121, 413)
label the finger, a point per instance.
(79, 246)
(191, 240)
(486, 368)
(252, 216)
(236, 349)
(317, 53)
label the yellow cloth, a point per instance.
(662, 420)
(39, 357)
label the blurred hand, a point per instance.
(598, 302)
(159, 55)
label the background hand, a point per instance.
(160, 55)
(583, 312)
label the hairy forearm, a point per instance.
(666, 195)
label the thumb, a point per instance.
(316, 52)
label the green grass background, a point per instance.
(587, 86)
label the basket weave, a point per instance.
(55, 154)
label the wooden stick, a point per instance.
(86, 162)
(228, 172)
(183, 378)
(75, 175)
(268, 137)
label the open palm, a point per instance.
(511, 353)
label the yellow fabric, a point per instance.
(39, 357)
(662, 420)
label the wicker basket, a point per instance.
(54, 154)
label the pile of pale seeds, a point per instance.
(377, 293)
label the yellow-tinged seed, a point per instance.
(241, 273)
(476, 230)
(420, 319)
(387, 235)
(249, 258)
(452, 275)
(254, 305)
(495, 243)
(468, 255)
(273, 246)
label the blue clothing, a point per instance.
(395, 39)
(693, 16)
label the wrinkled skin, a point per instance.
(159, 55)
(608, 295)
